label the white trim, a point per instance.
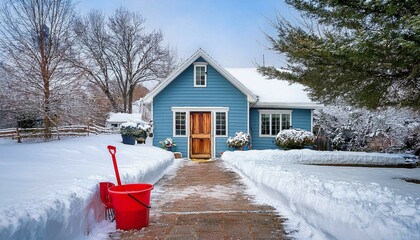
(152, 118)
(275, 111)
(312, 121)
(265, 111)
(200, 63)
(200, 109)
(205, 75)
(227, 121)
(200, 53)
(174, 124)
(247, 117)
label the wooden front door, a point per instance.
(200, 135)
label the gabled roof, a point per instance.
(273, 93)
(200, 53)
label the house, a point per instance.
(201, 104)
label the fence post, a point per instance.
(18, 135)
(58, 132)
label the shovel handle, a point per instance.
(113, 150)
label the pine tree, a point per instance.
(364, 52)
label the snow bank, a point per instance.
(307, 156)
(323, 202)
(50, 190)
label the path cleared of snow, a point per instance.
(50, 190)
(322, 202)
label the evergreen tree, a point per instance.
(364, 52)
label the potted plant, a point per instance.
(143, 131)
(128, 132)
(239, 141)
(168, 144)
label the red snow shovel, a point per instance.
(104, 187)
(113, 151)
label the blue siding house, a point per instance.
(201, 104)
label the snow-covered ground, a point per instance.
(323, 202)
(50, 190)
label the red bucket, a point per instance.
(131, 203)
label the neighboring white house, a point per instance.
(116, 119)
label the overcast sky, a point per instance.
(231, 31)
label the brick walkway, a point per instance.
(205, 201)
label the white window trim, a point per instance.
(205, 74)
(174, 124)
(272, 112)
(227, 123)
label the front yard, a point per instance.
(329, 202)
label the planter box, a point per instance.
(131, 140)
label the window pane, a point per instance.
(180, 123)
(265, 124)
(275, 124)
(221, 123)
(285, 121)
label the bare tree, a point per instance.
(93, 44)
(121, 55)
(36, 41)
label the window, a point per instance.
(221, 124)
(200, 78)
(272, 122)
(180, 124)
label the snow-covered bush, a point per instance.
(143, 130)
(239, 140)
(135, 130)
(128, 129)
(294, 139)
(357, 129)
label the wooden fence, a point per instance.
(57, 132)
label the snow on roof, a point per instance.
(124, 117)
(273, 92)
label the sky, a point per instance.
(231, 31)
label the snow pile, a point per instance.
(50, 190)
(323, 202)
(129, 125)
(125, 117)
(307, 156)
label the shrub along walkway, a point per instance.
(206, 201)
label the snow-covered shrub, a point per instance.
(128, 129)
(294, 139)
(143, 130)
(357, 129)
(239, 140)
(136, 130)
